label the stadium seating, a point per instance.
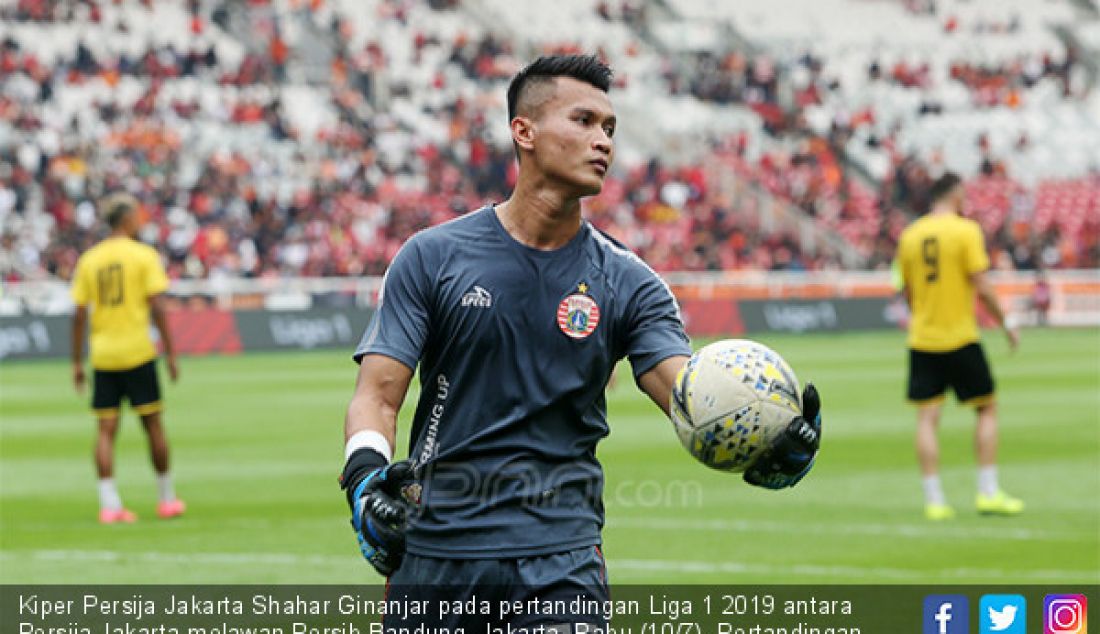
(975, 88)
(312, 137)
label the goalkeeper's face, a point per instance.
(571, 136)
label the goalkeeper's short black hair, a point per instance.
(943, 186)
(586, 68)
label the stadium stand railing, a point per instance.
(1075, 293)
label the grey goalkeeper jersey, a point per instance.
(515, 347)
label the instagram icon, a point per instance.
(1065, 614)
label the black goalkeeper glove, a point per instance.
(791, 454)
(379, 511)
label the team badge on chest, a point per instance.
(578, 314)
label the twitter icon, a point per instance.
(1002, 614)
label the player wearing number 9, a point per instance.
(122, 281)
(943, 261)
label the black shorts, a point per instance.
(562, 577)
(965, 370)
(139, 385)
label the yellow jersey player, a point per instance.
(943, 262)
(120, 283)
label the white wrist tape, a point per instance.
(369, 439)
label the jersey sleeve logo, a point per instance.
(578, 314)
(478, 298)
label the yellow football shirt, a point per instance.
(938, 254)
(116, 278)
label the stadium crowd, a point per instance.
(339, 198)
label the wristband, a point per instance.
(368, 439)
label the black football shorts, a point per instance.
(965, 370)
(138, 385)
(556, 580)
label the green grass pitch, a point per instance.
(257, 443)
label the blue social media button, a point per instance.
(946, 614)
(1002, 614)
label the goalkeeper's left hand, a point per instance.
(791, 454)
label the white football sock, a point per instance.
(109, 498)
(165, 490)
(987, 481)
(933, 491)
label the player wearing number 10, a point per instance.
(121, 281)
(943, 262)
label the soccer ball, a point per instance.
(730, 400)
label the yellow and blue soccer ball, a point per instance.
(730, 400)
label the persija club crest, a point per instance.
(578, 314)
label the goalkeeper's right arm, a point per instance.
(379, 392)
(371, 484)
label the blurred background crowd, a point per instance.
(312, 137)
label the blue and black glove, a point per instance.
(791, 454)
(379, 511)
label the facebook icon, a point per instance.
(946, 614)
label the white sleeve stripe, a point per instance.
(627, 253)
